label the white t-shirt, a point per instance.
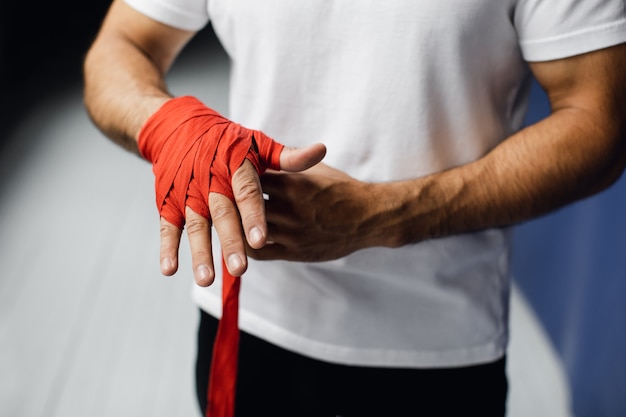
(395, 90)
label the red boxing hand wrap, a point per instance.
(194, 151)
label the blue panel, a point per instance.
(572, 267)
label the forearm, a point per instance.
(120, 94)
(568, 156)
(120, 97)
(124, 72)
(325, 214)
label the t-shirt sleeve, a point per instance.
(182, 14)
(553, 29)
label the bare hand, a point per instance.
(232, 221)
(317, 215)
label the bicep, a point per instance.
(160, 43)
(588, 94)
(592, 81)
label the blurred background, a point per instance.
(41, 48)
(89, 327)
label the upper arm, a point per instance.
(588, 91)
(158, 42)
(593, 82)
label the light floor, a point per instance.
(88, 326)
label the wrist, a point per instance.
(409, 211)
(169, 115)
(388, 215)
(391, 202)
(150, 106)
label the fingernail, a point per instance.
(166, 265)
(203, 272)
(255, 235)
(234, 262)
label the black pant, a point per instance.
(276, 382)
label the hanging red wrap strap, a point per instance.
(223, 377)
(194, 151)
